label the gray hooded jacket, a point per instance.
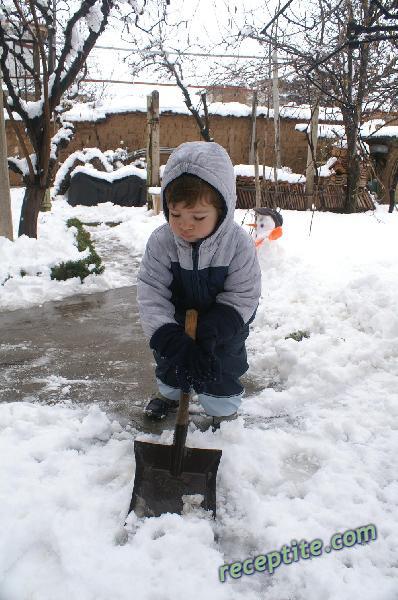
(176, 274)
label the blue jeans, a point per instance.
(218, 399)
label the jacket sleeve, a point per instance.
(242, 286)
(153, 287)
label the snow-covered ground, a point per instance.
(317, 455)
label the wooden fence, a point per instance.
(329, 197)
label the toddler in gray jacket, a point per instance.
(199, 259)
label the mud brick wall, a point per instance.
(233, 133)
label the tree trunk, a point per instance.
(6, 228)
(311, 155)
(353, 168)
(33, 198)
(393, 197)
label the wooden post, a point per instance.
(254, 129)
(153, 144)
(5, 197)
(277, 129)
(46, 203)
(311, 156)
(256, 176)
(393, 198)
(275, 94)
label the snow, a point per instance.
(123, 98)
(376, 128)
(34, 108)
(324, 130)
(327, 170)
(304, 112)
(225, 109)
(64, 134)
(324, 462)
(373, 128)
(22, 163)
(283, 174)
(107, 159)
(125, 171)
(95, 17)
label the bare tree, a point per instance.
(351, 64)
(28, 53)
(343, 53)
(165, 51)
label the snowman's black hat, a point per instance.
(270, 212)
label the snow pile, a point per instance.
(25, 268)
(72, 469)
(26, 263)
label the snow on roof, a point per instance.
(122, 98)
(225, 109)
(304, 112)
(324, 131)
(377, 128)
(283, 174)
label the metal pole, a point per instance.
(5, 197)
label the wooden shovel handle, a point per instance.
(191, 321)
(181, 427)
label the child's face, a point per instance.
(193, 223)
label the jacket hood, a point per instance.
(210, 162)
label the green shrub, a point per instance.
(83, 267)
(298, 335)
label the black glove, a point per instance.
(194, 366)
(209, 371)
(218, 325)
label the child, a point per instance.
(199, 259)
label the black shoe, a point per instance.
(216, 421)
(159, 408)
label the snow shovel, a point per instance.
(164, 474)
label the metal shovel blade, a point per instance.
(157, 491)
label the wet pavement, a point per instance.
(84, 349)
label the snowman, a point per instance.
(268, 225)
